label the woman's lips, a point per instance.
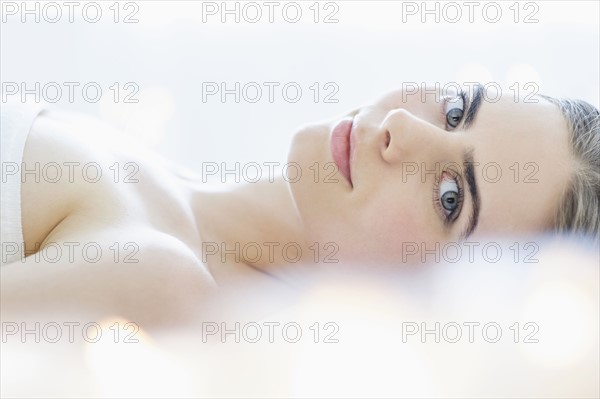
(341, 146)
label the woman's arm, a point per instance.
(160, 283)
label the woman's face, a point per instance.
(413, 170)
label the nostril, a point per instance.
(387, 138)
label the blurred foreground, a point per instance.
(473, 328)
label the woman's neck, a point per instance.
(253, 225)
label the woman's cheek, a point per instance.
(389, 229)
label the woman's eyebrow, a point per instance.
(474, 106)
(474, 192)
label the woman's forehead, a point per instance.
(523, 163)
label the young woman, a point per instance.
(408, 169)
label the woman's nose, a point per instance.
(409, 138)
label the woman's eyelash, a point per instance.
(452, 216)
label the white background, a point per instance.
(374, 47)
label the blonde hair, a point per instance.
(579, 209)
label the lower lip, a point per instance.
(340, 147)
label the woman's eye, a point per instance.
(453, 110)
(449, 196)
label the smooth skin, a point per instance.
(171, 218)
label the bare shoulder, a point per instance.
(60, 168)
(75, 165)
(96, 241)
